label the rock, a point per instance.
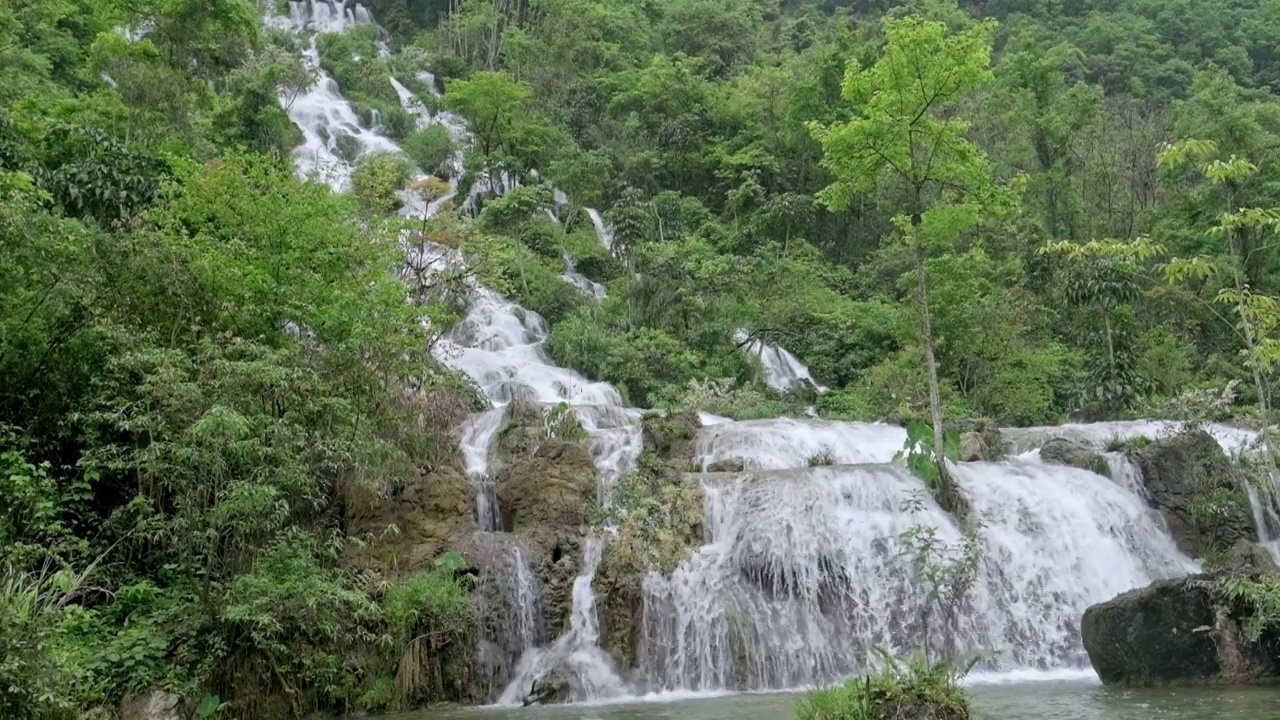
(432, 512)
(551, 688)
(1198, 491)
(523, 432)
(158, 705)
(549, 490)
(986, 430)
(1174, 632)
(1251, 558)
(1065, 452)
(671, 436)
(727, 465)
(972, 447)
(543, 499)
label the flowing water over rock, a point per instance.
(802, 573)
(805, 574)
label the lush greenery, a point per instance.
(914, 689)
(1067, 211)
(196, 350)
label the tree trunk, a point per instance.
(926, 337)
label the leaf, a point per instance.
(209, 706)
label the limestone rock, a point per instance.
(157, 705)
(432, 512)
(1174, 632)
(727, 465)
(671, 436)
(1065, 452)
(972, 447)
(1198, 491)
(543, 499)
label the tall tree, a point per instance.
(903, 140)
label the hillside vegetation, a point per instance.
(198, 349)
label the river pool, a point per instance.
(1075, 698)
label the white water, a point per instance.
(791, 442)
(603, 231)
(782, 370)
(576, 654)
(804, 572)
(801, 574)
(1098, 435)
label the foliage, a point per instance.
(915, 688)
(377, 179)
(430, 148)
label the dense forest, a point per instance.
(201, 352)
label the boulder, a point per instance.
(671, 436)
(551, 688)
(972, 447)
(1198, 491)
(987, 431)
(1065, 452)
(1174, 632)
(1252, 558)
(156, 705)
(731, 465)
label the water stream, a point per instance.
(802, 573)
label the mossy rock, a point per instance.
(1064, 452)
(1199, 492)
(431, 513)
(1175, 632)
(671, 436)
(544, 499)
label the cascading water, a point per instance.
(782, 370)
(802, 573)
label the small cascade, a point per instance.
(804, 573)
(782, 370)
(795, 443)
(603, 231)
(574, 658)
(1126, 473)
(508, 605)
(586, 285)
(323, 115)
(1099, 435)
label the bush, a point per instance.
(430, 149)
(916, 690)
(376, 180)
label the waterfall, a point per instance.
(802, 573)
(782, 370)
(499, 345)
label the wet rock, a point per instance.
(508, 607)
(671, 436)
(972, 447)
(728, 465)
(1198, 491)
(544, 500)
(157, 705)
(1065, 452)
(1251, 558)
(1175, 632)
(552, 688)
(523, 432)
(549, 490)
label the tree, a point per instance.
(1244, 231)
(901, 141)
(496, 107)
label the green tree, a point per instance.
(901, 142)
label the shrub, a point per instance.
(916, 689)
(430, 149)
(822, 458)
(376, 180)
